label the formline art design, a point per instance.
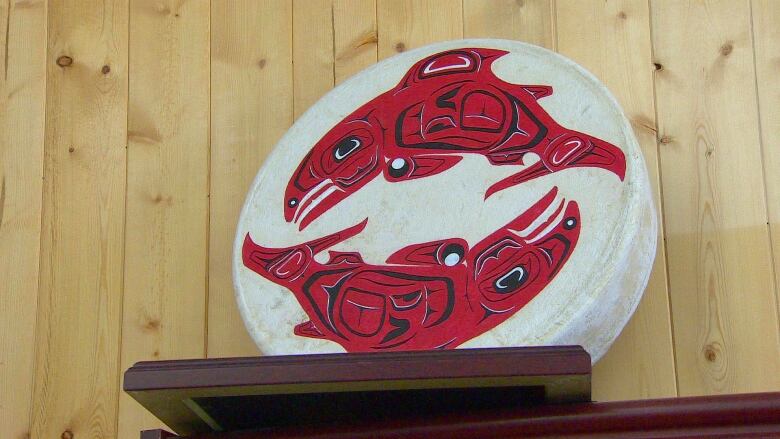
(447, 105)
(437, 294)
(431, 295)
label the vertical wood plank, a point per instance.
(616, 47)
(766, 32)
(406, 24)
(529, 21)
(724, 308)
(332, 39)
(251, 107)
(22, 104)
(354, 36)
(164, 315)
(312, 52)
(79, 308)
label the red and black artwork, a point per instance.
(447, 105)
(429, 296)
(437, 294)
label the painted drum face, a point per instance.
(447, 105)
(505, 214)
(432, 295)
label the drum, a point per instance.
(473, 193)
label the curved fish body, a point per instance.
(447, 105)
(432, 295)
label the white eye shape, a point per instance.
(345, 148)
(451, 259)
(511, 281)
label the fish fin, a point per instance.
(308, 329)
(337, 257)
(452, 63)
(425, 166)
(536, 170)
(431, 253)
(538, 91)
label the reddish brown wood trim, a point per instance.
(333, 368)
(157, 434)
(171, 389)
(745, 415)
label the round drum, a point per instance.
(473, 193)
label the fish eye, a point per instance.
(345, 147)
(292, 202)
(398, 167)
(452, 254)
(511, 280)
(569, 223)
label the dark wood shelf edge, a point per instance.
(296, 369)
(745, 415)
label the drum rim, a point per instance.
(641, 204)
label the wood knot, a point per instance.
(106, 69)
(622, 15)
(726, 49)
(26, 4)
(152, 325)
(709, 152)
(67, 434)
(710, 353)
(64, 61)
(156, 354)
(362, 42)
(645, 122)
(400, 47)
(71, 149)
(665, 139)
(161, 199)
(261, 63)
(658, 66)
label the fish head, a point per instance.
(344, 160)
(514, 264)
(572, 149)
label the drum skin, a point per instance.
(472, 193)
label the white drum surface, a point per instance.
(494, 195)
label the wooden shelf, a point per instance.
(468, 393)
(193, 396)
(747, 415)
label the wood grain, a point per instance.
(354, 36)
(164, 311)
(62, 238)
(527, 21)
(615, 46)
(406, 24)
(312, 52)
(22, 104)
(332, 39)
(80, 302)
(766, 41)
(251, 107)
(723, 302)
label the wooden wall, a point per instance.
(131, 129)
